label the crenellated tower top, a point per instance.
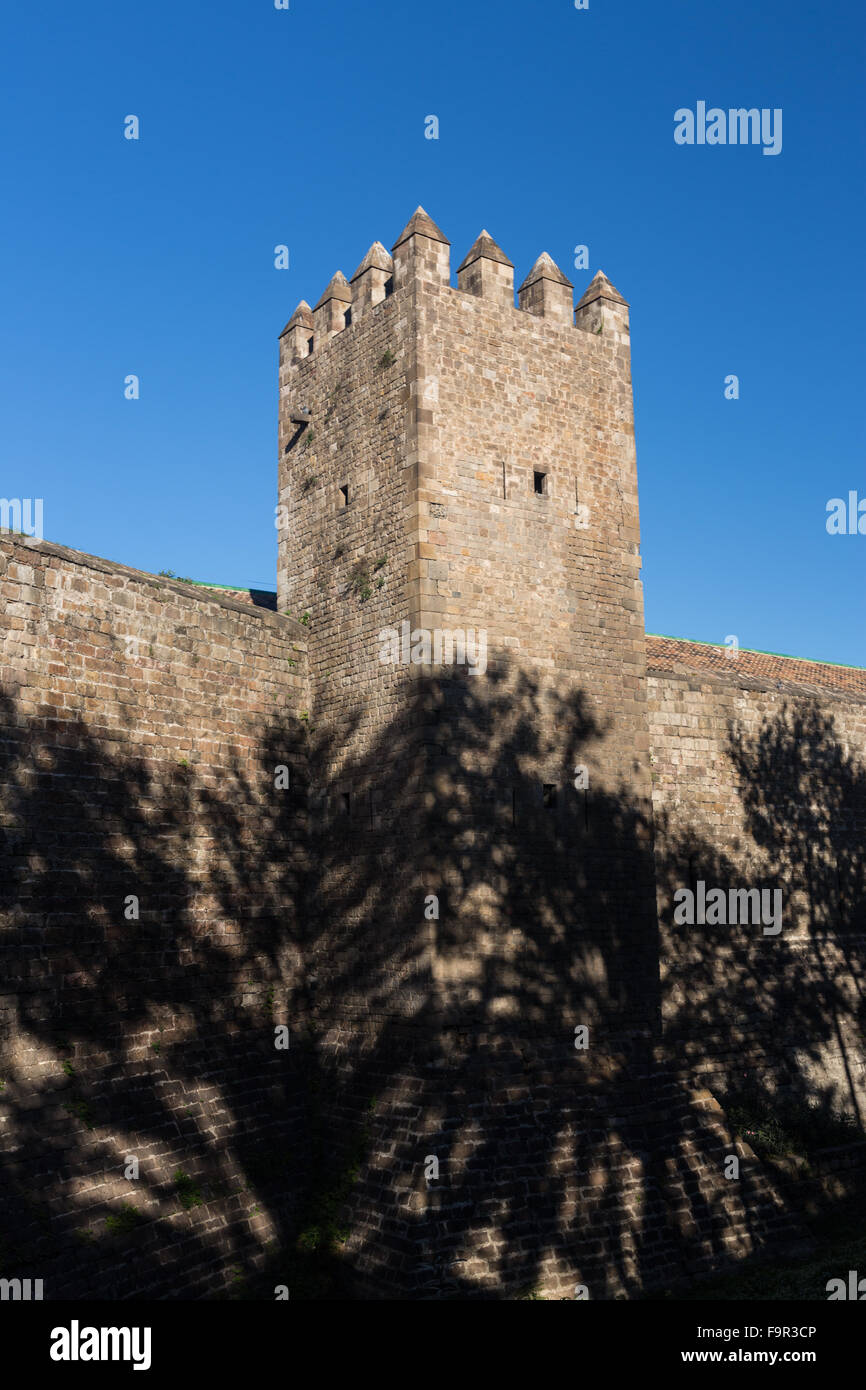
(422, 252)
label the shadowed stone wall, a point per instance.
(759, 772)
(150, 936)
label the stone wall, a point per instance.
(529, 532)
(759, 768)
(149, 932)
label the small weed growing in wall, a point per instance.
(81, 1110)
(380, 582)
(122, 1222)
(188, 1190)
(181, 578)
(387, 359)
(359, 582)
(322, 1231)
(311, 1266)
(68, 1068)
(305, 619)
(775, 1126)
(380, 563)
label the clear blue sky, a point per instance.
(306, 127)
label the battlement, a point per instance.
(423, 253)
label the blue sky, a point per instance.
(306, 127)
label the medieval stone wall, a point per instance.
(529, 533)
(759, 768)
(149, 932)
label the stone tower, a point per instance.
(459, 531)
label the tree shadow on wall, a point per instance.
(150, 940)
(459, 1030)
(414, 1036)
(796, 996)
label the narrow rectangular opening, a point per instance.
(344, 495)
(548, 793)
(540, 482)
(389, 286)
(310, 342)
(346, 803)
(347, 317)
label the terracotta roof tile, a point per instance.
(794, 673)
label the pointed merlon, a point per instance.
(601, 288)
(337, 289)
(301, 318)
(545, 268)
(377, 258)
(484, 247)
(420, 224)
